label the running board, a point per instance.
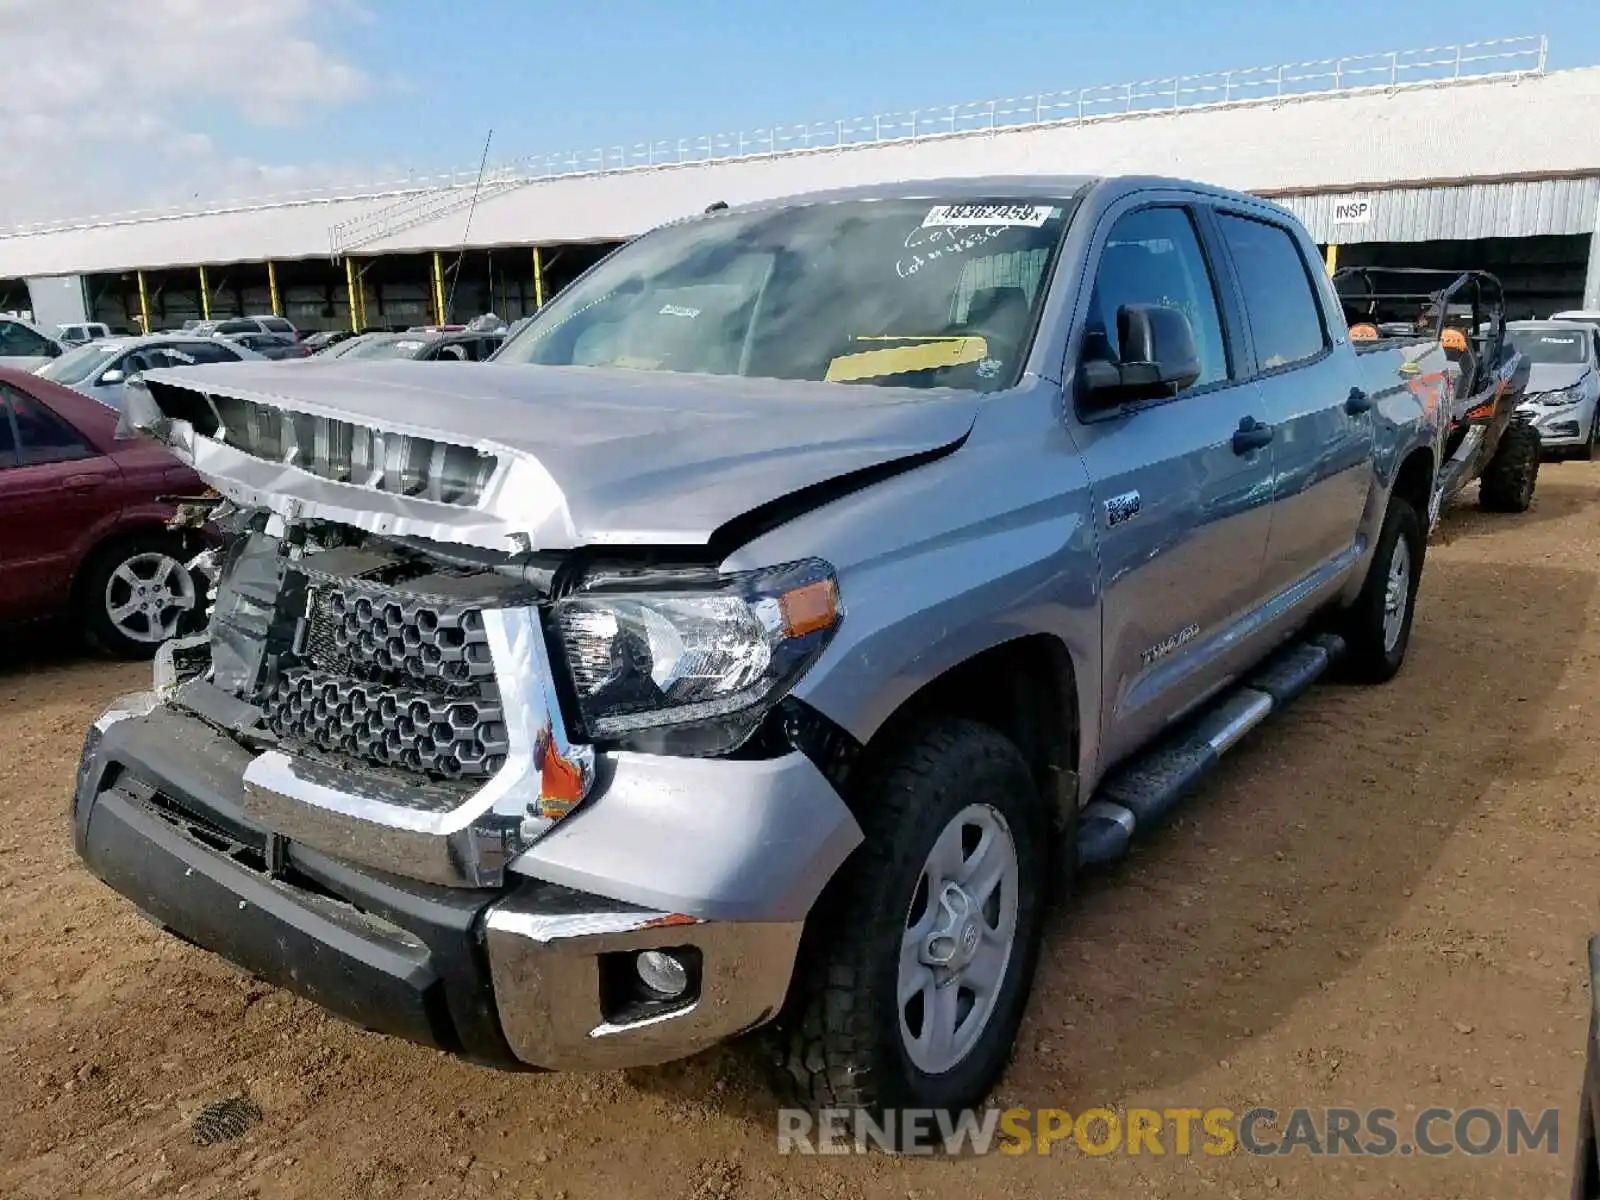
(1141, 794)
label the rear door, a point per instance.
(1322, 422)
(1181, 496)
(54, 487)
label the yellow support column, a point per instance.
(538, 280)
(438, 289)
(272, 288)
(1333, 259)
(205, 295)
(350, 291)
(144, 305)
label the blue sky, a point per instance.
(551, 77)
(262, 97)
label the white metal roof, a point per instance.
(1528, 126)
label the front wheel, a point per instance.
(1377, 627)
(1509, 479)
(135, 594)
(918, 961)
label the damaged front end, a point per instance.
(402, 773)
(397, 690)
(400, 703)
(402, 708)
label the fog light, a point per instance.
(662, 973)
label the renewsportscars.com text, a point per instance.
(1177, 1132)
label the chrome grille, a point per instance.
(373, 632)
(389, 677)
(441, 736)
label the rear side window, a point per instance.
(41, 436)
(1279, 300)
(20, 341)
(277, 325)
(208, 352)
(231, 327)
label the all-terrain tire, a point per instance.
(839, 1042)
(1509, 479)
(1375, 645)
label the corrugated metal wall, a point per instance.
(1464, 213)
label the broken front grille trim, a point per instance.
(350, 814)
(334, 449)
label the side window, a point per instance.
(42, 437)
(8, 439)
(238, 326)
(20, 341)
(208, 352)
(277, 325)
(1279, 299)
(1153, 256)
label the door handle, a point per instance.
(1357, 402)
(82, 483)
(1251, 435)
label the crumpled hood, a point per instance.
(589, 455)
(1552, 377)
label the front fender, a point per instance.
(992, 543)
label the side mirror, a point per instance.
(1159, 357)
(108, 378)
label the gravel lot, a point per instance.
(1382, 900)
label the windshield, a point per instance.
(895, 292)
(77, 365)
(1552, 345)
(384, 347)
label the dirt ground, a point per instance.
(1381, 901)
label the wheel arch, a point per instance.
(1025, 689)
(1414, 481)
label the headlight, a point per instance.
(700, 655)
(1572, 395)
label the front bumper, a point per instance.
(530, 975)
(1559, 428)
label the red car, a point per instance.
(83, 521)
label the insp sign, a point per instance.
(1352, 212)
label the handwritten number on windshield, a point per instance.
(955, 241)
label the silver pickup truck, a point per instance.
(757, 641)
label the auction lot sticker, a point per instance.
(1032, 215)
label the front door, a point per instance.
(1182, 496)
(54, 486)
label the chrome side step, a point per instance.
(1143, 792)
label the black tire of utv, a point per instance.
(838, 1041)
(1509, 479)
(89, 599)
(1366, 658)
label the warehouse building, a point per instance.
(1470, 156)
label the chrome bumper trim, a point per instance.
(350, 814)
(546, 976)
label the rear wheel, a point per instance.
(918, 962)
(1509, 479)
(1377, 627)
(136, 593)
